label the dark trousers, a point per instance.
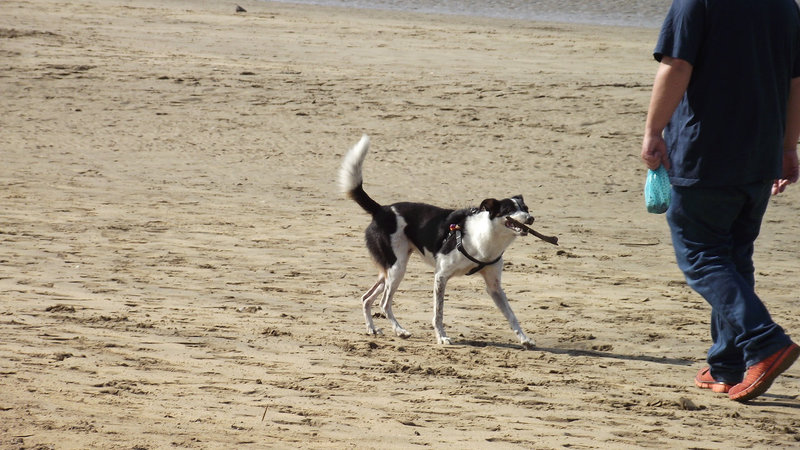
(713, 230)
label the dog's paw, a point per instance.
(444, 340)
(402, 333)
(528, 344)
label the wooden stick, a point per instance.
(551, 239)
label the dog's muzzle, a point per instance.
(510, 224)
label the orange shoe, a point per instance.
(704, 380)
(760, 376)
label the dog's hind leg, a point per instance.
(491, 275)
(366, 303)
(393, 278)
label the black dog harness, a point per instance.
(456, 230)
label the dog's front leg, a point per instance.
(439, 284)
(491, 275)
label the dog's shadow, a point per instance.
(580, 352)
(765, 400)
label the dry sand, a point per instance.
(177, 268)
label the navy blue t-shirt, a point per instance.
(728, 129)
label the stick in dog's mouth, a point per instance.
(551, 239)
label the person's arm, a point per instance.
(670, 84)
(790, 165)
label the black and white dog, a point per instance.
(454, 242)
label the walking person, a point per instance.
(724, 120)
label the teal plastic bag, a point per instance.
(657, 191)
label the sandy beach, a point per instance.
(179, 270)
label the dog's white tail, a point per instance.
(350, 178)
(350, 173)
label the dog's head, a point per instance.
(501, 210)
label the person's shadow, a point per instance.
(776, 401)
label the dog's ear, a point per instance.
(521, 201)
(492, 206)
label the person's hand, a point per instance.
(654, 151)
(790, 172)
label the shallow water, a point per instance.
(636, 13)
